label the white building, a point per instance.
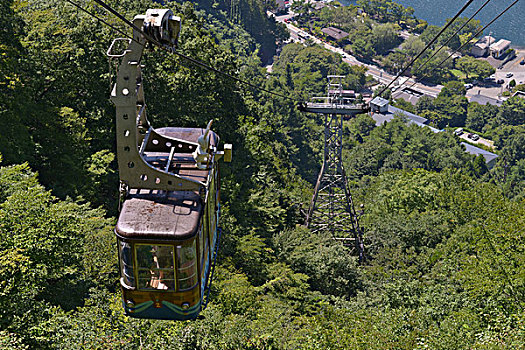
(499, 48)
(379, 105)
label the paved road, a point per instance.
(299, 35)
(495, 90)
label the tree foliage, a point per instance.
(443, 233)
(473, 67)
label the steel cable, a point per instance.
(192, 60)
(426, 47)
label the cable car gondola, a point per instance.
(167, 226)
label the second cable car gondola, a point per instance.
(167, 227)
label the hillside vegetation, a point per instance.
(444, 235)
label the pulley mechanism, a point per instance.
(162, 25)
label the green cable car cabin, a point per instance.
(167, 230)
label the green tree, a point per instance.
(41, 250)
(479, 167)
(361, 125)
(425, 103)
(520, 87)
(331, 271)
(15, 143)
(480, 115)
(384, 37)
(431, 31)
(396, 145)
(453, 88)
(413, 46)
(437, 69)
(404, 105)
(362, 48)
(474, 67)
(469, 28)
(394, 61)
(451, 104)
(512, 111)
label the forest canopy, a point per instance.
(444, 234)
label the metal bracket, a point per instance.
(110, 49)
(141, 149)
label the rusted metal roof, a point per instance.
(156, 214)
(152, 214)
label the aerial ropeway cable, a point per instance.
(171, 50)
(466, 41)
(464, 44)
(301, 104)
(479, 32)
(455, 33)
(426, 47)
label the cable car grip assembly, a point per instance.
(137, 141)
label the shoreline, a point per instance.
(520, 46)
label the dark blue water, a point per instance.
(510, 26)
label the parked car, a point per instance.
(522, 62)
(475, 137)
(469, 86)
(509, 74)
(459, 131)
(469, 135)
(500, 81)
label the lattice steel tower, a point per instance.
(332, 208)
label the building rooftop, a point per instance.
(411, 116)
(408, 94)
(489, 156)
(484, 100)
(335, 33)
(379, 101)
(381, 118)
(485, 42)
(500, 45)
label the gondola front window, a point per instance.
(187, 265)
(155, 267)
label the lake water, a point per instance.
(510, 26)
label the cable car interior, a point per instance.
(167, 231)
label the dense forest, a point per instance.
(444, 234)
